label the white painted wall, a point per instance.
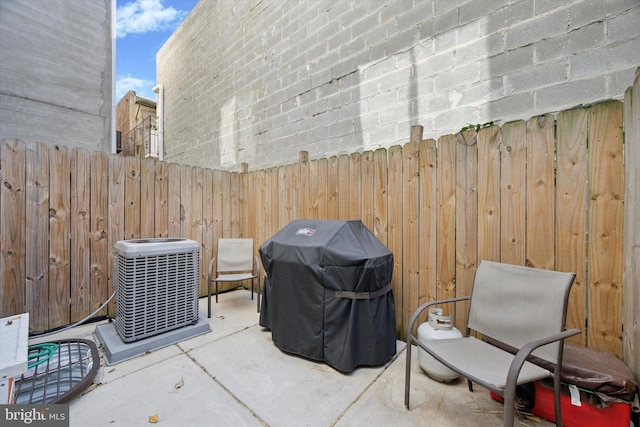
(56, 72)
(339, 76)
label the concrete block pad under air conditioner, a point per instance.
(116, 351)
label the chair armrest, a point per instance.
(424, 306)
(526, 350)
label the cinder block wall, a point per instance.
(56, 74)
(257, 81)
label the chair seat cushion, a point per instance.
(482, 362)
(234, 277)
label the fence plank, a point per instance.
(147, 197)
(313, 189)
(116, 214)
(59, 232)
(513, 162)
(410, 229)
(466, 222)
(197, 224)
(13, 227)
(284, 191)
(80, 236)
(175, 204)
(132, 203)
(322, 193)
(37, 226)
(186, 203)
(332, 189)
(304, 208)
(161, 200)
(99, 230)
(428, 221)
(540, 223)
(605, 226)
(367, 189)
(343, 186)
(380, 200)
(355, 186)
(236, 212)
(394, 242)
(571, 212)
(206, 248)
(446, 214)
(489, 140)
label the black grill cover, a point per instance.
(327, 295)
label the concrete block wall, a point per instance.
(56, 78)
(257, 81)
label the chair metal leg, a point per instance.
(407, 375)
(209, 298)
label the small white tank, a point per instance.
(438, 327)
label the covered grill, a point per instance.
(327, 294)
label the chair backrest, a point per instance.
(235, 255)
(516, 304)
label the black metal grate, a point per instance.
(61, 377)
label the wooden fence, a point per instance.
(547, 192)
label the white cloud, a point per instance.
(142, 16)
(140, 86)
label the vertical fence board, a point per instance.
(175, 205)
(116, 213)
(381, 194)
(466, 222)
(13, 227)
(186, 206)
(489, 140)
(394, 242)
(206, 248)
(631, 249)
(98, 228)
(322, 194)
(428, 221)
(410, 229)
(571, 212)
(37, 226)
(234, 198)
(132, 206)
(80, 237)
(512, 193)
(605, 226)
(332, 188)
(313, 189)
(284, 207)
(367, 190)
(197, 226)
(343, 187)
(446, 219)
(59, 232)
(355, 186)
(161, 200)
(540, 193)
(275, 200)
(304, 208)
(147, 197)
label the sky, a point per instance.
(142, 27)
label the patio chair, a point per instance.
(519, 312)
(235, 263)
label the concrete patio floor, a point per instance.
(235, 376)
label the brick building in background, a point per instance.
(136, 127)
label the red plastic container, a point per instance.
(617, 414)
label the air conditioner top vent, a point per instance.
(154, 246)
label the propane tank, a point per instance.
(437, 327)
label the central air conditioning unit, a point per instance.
(157, 283)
